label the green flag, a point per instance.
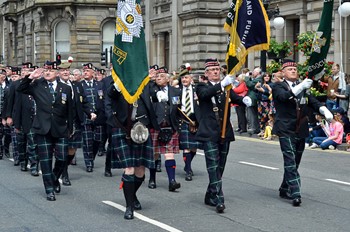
(321, 42)
(129, 59)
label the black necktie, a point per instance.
(89, 84)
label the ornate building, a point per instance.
(176, 31)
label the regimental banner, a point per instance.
(129, 59)
(321, 42)
(249, 31)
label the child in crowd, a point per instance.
(268, 128)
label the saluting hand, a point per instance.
(36, 74)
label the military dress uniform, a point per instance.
(187, 138)
(52, 125)
(126, 153)
(166, 113)
(93, 131)
(212, 104)
(4, 88)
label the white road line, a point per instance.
(200, 153)
(143, 218)
(338, 181)
(258, 165)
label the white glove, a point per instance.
(327, 114)
(162, 96)
(116, 87)
(305, 84)
(247, 101)
(228, 80)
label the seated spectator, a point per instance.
(268, 128)
(344, 118)
(316, 128)
(334, 135)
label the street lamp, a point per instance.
(278, 24)
(344, 9)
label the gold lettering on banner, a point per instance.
(120, 54)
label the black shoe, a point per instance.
(188, 177)
(0, 157)
(57, 186)
(173, 185)
(16, 163)
(242, 131)
(209, 201)
(137, 204)
(89, 169)
(34, 172)
(220, 208)
(152, 184)
(24, 167)
(66, 181)
(190, 171)
(129, 213)
(101, 153)
(50, 197)
(108, 173)
(284, 195)
(297, 201)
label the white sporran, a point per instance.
(139, 133)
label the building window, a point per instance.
(108, 37)
(62, 38)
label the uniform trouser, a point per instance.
(92, 136)
(252, 114)
(292, 150)
(215, 158)
(27, 147)
(47, 147)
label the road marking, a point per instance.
(258, 165)
(338, 181)
(143, 218)
(200, 153)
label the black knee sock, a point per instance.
(193, 153)
(152, 174)
(129, 189)
(138, 183)
(188, 160)
(170, 166)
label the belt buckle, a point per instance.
(215, 109)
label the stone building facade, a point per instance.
(177, 32)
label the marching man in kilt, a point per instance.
(165, 100)
(189, 119)
(131, 144)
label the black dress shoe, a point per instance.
(50, 197)
(108, 173)
(188, 177)
(34, 172)
(284, 195)
(296, 202)
(89, 169)
(16, 163)
(24, 167)
(242, 131)
(137, 204)
(238, 130)
(152, 184)
(173, 185)
(220, 208)
(57, 186)
(66, 181)
(129, 213)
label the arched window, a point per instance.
(62, 38)
(108, 37)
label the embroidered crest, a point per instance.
(318, 42)
(129, 20)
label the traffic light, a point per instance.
(58, 59)
(104, 61)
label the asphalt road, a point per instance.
(251, 180)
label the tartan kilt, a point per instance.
(76, 140)
(98, 132)
(160, 148)
(126, 155)
(187, 139)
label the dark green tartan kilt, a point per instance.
(76, 140)
(187, 140)
(126, 155)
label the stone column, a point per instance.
(302, 29)
(160, 49)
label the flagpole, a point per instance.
(224, 122)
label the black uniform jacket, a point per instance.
(99, 97)
(80, 103)
(118, 108)
(288, 122)
(209, 128)
(24, 112)
(173, 101)
(53, 114)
